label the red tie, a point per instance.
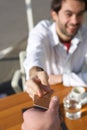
(67, 44)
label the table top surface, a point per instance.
(11, 110)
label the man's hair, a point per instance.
(56, 4)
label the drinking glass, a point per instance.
(72, 107)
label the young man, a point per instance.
(39, 120)
(57, 52)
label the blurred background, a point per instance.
(14, 28)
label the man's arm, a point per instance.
(55, 79)
(33, 71)
(38, 82)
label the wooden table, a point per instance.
(11, 110)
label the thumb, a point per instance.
(54, 105)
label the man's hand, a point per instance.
(38, 120)
(38, 84)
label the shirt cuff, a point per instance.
(71, 79)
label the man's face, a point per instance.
(69, 18)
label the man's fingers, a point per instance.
(54, 105)
(33, 88)
(43, 77)
(38, 85)
(46, 88)
(36, 88)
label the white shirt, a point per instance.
(45, 50)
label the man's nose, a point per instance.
(75, 20)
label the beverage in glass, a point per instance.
(72, 108)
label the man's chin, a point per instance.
(71, 34)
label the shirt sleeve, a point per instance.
(73, 79)
(35, 53)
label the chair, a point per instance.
(19, 74)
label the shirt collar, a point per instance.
(54, 35)
(76, 40)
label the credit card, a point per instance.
(43, 102)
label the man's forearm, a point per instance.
(55, 79)
(34, 70)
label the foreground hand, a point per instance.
(38, 120)
(38, 85)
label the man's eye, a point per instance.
(80, 14)
(68, 14)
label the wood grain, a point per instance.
(11, 110)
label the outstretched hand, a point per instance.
(42, 120)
